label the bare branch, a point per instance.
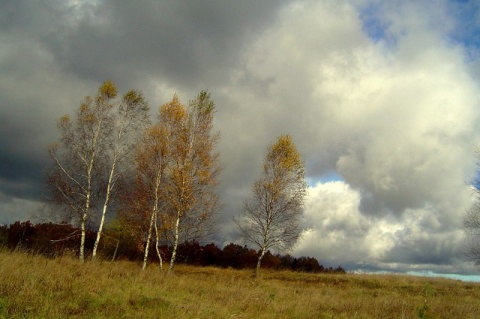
(270, 218)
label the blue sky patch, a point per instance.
(466, 31)
(331, 176)
(373, 24)
(468, 278)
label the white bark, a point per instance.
(157, 239)
(78, 166)
(104, 210)
(153, 222)
(147, 243)
(259, 261)
(81, 254)
(175, 244)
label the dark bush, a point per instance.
(53, 240)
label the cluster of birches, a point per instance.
(156, 180)
(54, 240)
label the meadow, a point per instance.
(33, 286)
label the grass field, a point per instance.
(37, 287)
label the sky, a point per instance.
(381, 98)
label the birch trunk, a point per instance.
(264, 246)
(147, 244)
(81, 254)
(99, 232)
(116, 250)
(104, 210)
(88, 196)
(157, 237)
(259, 262)
(175, 244)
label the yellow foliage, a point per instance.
(173, 110)
(84, 107)
(108, 90)
(286, 153)
(64, 119)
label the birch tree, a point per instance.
(153, 159)
(190, 197)
(151, 162)
(471, 224)
(128, 120)
(271, 216)
(134, 212)
(471, 220)
(72, 180)
(176, 175)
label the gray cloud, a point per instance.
(58, 52)
(188, 44)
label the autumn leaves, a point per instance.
(271, 215)
(159, 179)
(177, 172)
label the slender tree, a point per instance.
(151, 162)
(129, 119)
(471, 224)
(135, 211)
(72, 180)
(271, 217)
(471, 220)
(153, 158)
(177, 172)
(190, 196)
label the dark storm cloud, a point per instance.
(423, 251)
(188, 43)
(53, 51)
(21, 177)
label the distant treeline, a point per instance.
(54, 240)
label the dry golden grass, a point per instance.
(37, 287)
